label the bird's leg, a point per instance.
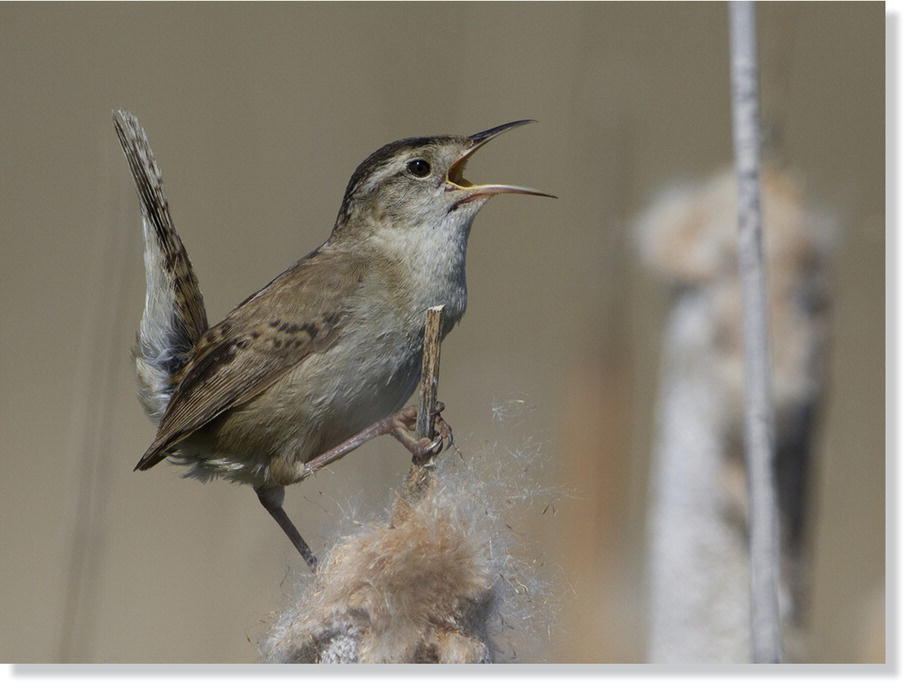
(399, 425)
(271, 498)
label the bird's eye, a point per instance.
(419, 167)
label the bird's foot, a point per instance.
(442, 428)
(423, 448)
(405, 419)
(400, 425)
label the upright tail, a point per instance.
(174, 317)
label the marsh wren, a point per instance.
(324, 356)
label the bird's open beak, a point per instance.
(457, 182)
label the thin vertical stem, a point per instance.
(762, 511)
(421, 474)
(431, 365)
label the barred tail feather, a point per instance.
(174, 317)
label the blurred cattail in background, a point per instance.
(698, 560)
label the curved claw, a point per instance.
(443, 430)
(436, 446)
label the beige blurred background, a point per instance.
(258, 115)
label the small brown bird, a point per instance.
(323, 357)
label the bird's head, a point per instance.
(420, 183)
